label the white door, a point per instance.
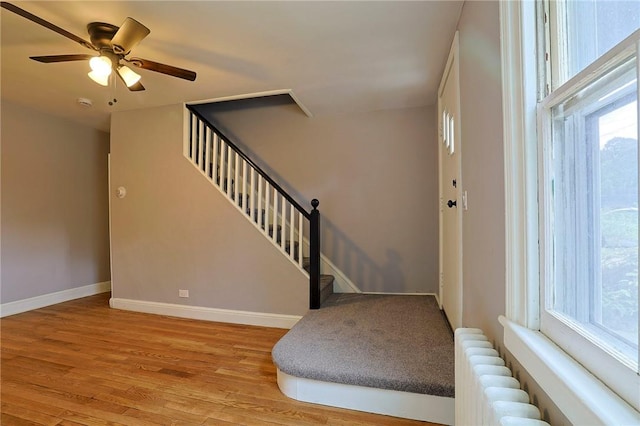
(450, 190)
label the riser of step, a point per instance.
(326, 287)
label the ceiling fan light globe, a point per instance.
(101, 65)
(101, 79)
(128, 75)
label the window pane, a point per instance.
(595, 210)
(616, 299)
(594, 27)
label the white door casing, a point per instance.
(110, 227)
(450, 189)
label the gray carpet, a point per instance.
(390, 342)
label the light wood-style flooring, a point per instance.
(82, 363)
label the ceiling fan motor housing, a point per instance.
(101, 33)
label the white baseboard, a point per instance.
(407, 294)
(431, 408)
(206, 314)
(24, 305)
(400, 294)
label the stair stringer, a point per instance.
(341, 283)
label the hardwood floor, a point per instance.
(82, 363)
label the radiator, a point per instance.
(486, 392)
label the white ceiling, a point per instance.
(337, 57)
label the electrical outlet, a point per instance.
(183, 293)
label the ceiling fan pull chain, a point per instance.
(112, 89)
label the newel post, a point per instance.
(314, 253)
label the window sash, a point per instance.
(616, 372)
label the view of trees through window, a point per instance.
(618, 302)
(595, 208)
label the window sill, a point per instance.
(581, 397)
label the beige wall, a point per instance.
(55, 232)
(174, 230)
(374, 173)
(482, 167)
(483, 178)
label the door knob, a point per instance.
(451, 203)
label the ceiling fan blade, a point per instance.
(163, 68)
(131, 32)
(46, 24)
(61, 58)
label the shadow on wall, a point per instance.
(363, 271)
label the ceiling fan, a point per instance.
(112, 44)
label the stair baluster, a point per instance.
(227, 182)
(234, 183)
(292, 221)
(267, 202)
(276, 230)
(214, 161)
(300, 225)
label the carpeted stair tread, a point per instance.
(382, 341)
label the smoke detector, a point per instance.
(85, 102)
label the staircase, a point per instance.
(293, 230)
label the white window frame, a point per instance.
(583, 398)
(601, 362)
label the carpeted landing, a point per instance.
(400, 343)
